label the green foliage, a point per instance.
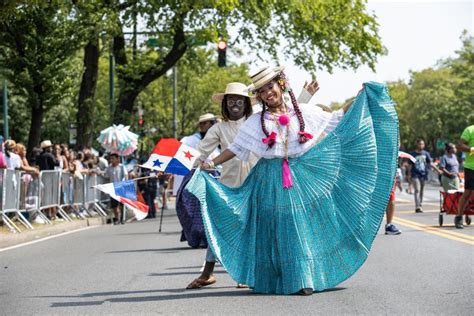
(315, 35)
(39, 38)
(18, 112)
(319, 34)
(438, 102)
(36, 45)
(198, 79)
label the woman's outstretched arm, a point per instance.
(226, 155)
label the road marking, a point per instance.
(435, 231)
(439, 228)
(47, 238)
(433, 203)
(413, 212)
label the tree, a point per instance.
(463, 68)
(317, 34)
(37, 42)
(437, 103)
(199, 78)
(92, 15)
(399, 91)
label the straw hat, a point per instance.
(207, 117)
(263, 76)
(45, 144)
(236, 88)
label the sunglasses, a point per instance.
(238, 102)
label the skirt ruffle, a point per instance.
(188, 210)
(319, 232)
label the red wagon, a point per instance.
(448, 203)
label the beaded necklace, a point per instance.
(283, 120)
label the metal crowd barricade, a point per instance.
(67, 189)
(92, 194)
(67, 193)
(29, 197)
(22, 193)
(10, 197)
(79, 195)
(102, 198)
(50, 192)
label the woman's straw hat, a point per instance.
(236, 88)
(263, 76)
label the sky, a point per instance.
(416, 34)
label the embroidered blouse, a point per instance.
(317, 122)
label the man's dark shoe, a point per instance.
(458, 222)
(418, 210)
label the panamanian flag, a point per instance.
(126, 193)
(172, 156)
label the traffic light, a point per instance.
(140, 113)
(221, 53)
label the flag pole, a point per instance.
(135, 179)
(162, 209)
(163, 203)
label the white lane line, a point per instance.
(47, 238)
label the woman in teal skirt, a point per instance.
(305, 218)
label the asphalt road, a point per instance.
(133, 269)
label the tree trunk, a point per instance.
(132, 85)
(34, 137)
(86, 102)
(124, 107)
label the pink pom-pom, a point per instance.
(284, 119)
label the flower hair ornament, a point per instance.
(283, 82)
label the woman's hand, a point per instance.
(311, 87)
(205, 166)
(36, 172)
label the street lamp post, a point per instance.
(175, 100)
(111, 84)
(5, 110)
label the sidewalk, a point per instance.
(8, 239)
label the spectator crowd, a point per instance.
(79, 163)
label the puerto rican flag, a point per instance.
(126, 193)
(172, 156)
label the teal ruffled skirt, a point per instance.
(319, 232)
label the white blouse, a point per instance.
(317, 122)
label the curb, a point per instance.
(25, 236)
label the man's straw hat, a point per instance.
(236, 88)
(45, 144)
(207, 117)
